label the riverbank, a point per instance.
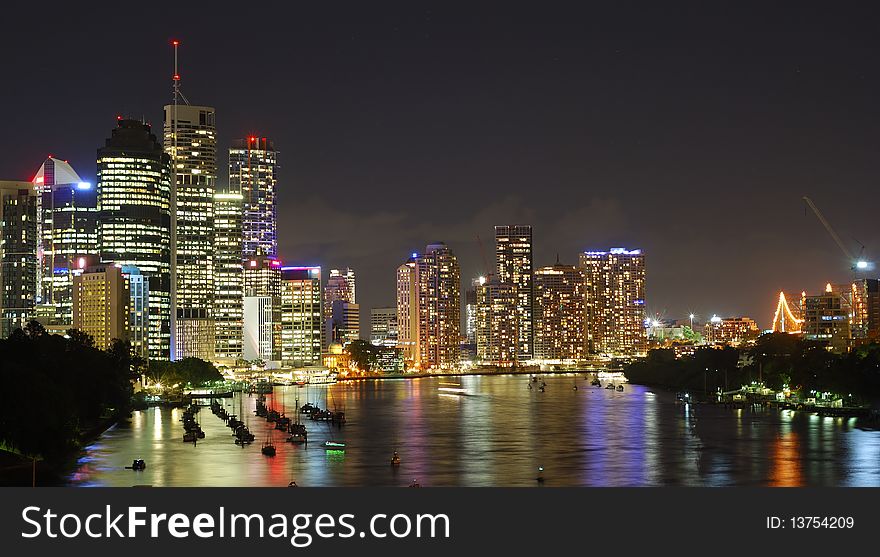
(469, 372)
(18, 470)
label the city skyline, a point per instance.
(612, 165)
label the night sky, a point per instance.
(689, 131)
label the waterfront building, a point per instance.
(101, 304)
(228, 276)
(340, 287)
(389, 359)
(262, 330)
(429, 309)
(344, 324)
(253, 171)
(68, 237)
(18, 254)
(139, 311)
(827, 318)
(134, 218)
(497, 333)
(614, 283)
(407, 312)
(383, 326)
(470, 308)
(301, 316)
(733, 331)
(191, 143)
(513, 253)
(559, 316)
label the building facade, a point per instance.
(733, 331)
(865, 311)
(253, 171)
(134, 218)
(68, 237)
(101, 304)
(614, 283)
(191, 142)
(827, 318)
(340, 287)
(383, 326)
(228, 277)
(344, 324)
(560, 324)
(18, 255)
(301, 316)
(497, 330)
(513, 256)
(429, 309)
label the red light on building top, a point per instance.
(175, 42)
(275, 263)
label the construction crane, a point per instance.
(858, 264)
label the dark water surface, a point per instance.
(496, 433)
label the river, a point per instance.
(492, 431)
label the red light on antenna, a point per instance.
(176, 77)
(119, 117)
(175, 42)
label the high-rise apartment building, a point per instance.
(101, 304)
(68, 236)
(513, 254)
(733, 331)
(865, 311)
(429, 309)
(253, 171)
(228, 276)
(470, 308)
(559, 314)
(134, 218)
(138, 311)
(301, 316)
(827, 318)
(18, 254)
(614, 283)
(383, 326)
(343, 327)
(497, 332)
(190, 141)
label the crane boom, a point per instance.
(830, 230)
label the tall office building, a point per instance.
(18, 254)
(383, 326)
(340, 287)
(228, 276)
(497, 331)
(513, 253)
(101, 304)
(559, 314)
(68, 236)
(429, 309)
(138, 311)
(614, 283)
(134, 218)
(190, 140)
(253, 171)
(343, 327)
(301, 316)
(261, 311)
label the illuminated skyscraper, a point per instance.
(301, 316)
(497, 334)
(261, 315)
(195, 171)
(340, 287)
(344, 324)
(865, 311)
(228, 276)
(138, 311)
(827, 318)
(513, 253)
(18, 254)
(470, 307)
(134, 218)
(68, 232)
(253, 171)
(614, 283)
(429, 309)
(559, 314)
